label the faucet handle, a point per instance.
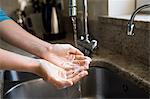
(86, 46)
(94, 44)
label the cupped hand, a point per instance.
(65, 50)
(66, 56)
(59, 77)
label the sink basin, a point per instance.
(12, 78)
(101, 83)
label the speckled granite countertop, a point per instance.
(134, 71)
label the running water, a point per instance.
(74, 24)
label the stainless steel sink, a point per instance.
(99, 84)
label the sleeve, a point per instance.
(3, 15)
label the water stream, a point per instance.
(74, 24)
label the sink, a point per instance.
(12, 78)
(101, 83)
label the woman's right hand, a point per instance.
(59, 77)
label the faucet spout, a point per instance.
(84, 43)
(130, 23)
(72, 8)
(130, 29)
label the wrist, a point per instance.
(39, 70)
(46, 50)
(35, 66)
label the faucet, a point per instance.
(130, 23)
(83, 43)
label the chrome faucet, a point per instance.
(83, 43)
(130, 23)
(72, 8)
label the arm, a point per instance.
(12, 61)
(48, 71)
(17, 36)
(55, 53)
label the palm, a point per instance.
(66, 56)
(64, 50)
(61, 54)
(53, 74)
(58, 76)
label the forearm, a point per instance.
(17, 36)
(12, 61)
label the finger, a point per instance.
(82, 64)
(79, 57)
(78, 77)
(75, 51)
(82, 61)
(79, 62)
(69, 66)
(70, 57)
(74, 72)
(70, 72)
(88, 58)
(85, 63)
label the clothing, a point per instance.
(3, 15)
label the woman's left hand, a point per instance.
(66, 56)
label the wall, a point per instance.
(120, 7)
(142, 2)
(94, 7)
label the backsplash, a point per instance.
(111, 34)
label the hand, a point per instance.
(58, 76)
(60, 54)
(65, 50)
